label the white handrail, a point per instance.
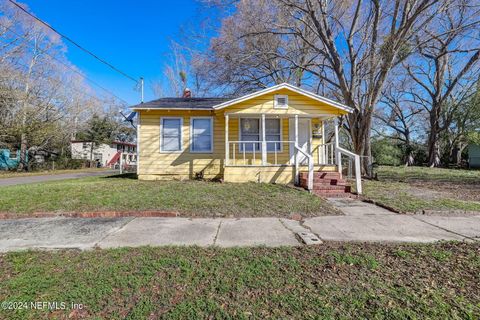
(324, 154)
(358, 173)
(310, 166)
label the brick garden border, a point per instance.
(91, 214)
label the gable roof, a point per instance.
(181, 103)
(289, 87)
(220, 103)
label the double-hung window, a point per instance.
(201, 131)
(273, 132)
(171, 134)
(250, 132)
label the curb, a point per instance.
(93, 214)
(384, 206)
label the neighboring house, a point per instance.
(474, 156)
(106, 155)
(274, 135)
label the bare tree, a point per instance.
(399, 118)
(246, 55)
(445, 68)
(44, 99)
(343, 49)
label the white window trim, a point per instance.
(260, 134)
(211, 134)
(181, 134)
(275, 102)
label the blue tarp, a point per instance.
(6, 163)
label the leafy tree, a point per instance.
(386, 152)
(100, 130)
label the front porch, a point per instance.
(277, 148)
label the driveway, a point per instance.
(88, 233)
(52, 177)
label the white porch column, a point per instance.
(338, 155)
(264, 142)
(227, 147)
(295, 152)
(324, 147)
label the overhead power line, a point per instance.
(43, 76)
(74, 42)
(42, 51)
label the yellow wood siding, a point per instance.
(181, 165)
(154, 164)
(297, 104)
(280, 175)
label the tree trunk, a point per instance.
(457, 153)
(22, 165)
(360, 131)
(434, 136)
(409, 157)
(433, 149)
(91, 155)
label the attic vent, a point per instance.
(281, 102)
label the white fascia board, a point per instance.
(284, 86)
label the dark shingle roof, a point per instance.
(181, 103)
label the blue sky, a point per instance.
(132, 35)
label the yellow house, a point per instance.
(273, 135)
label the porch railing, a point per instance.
(324, 154)
(250, 153)
(246, 153)
(267, 153)
(310, 167)
(356, 158)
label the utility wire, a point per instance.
(43, 51)
(74, 43)
(57, 81)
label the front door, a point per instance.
(304, 138)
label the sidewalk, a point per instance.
(88, 233)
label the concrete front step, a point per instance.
(321, 175)
(322, 186)
(332, 188)
(333, 195)
(333, 182)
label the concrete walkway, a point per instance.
(53, 177)
(87, 233)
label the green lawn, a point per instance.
(331, 281)
(189, 198)
(414, 189)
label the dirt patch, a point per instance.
(425, 193)
(440, 189)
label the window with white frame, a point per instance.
(273, 132)
(171, 134)
(201, 130)
(250, 131)
(281, 101)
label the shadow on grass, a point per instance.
(132, 176)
